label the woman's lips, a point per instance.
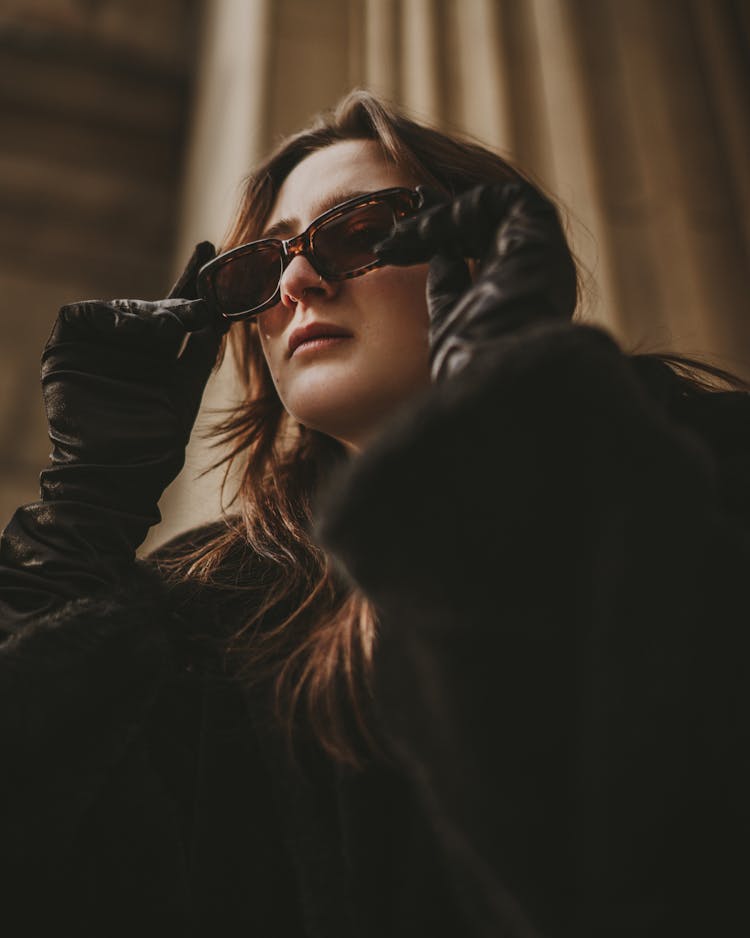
(319, 343)
(315, 330)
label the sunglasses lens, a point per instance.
(345, 244)
(247, 281)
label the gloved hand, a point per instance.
(526, 271)
(121, 395)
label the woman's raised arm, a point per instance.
(121, 395)
(85, 649)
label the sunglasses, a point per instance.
(339, 244)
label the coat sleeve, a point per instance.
(76, 689)
(77, 683)
(562, 666)
(132, 787)
(92, 746)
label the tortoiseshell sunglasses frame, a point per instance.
(402, 200)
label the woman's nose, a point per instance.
(300, 282)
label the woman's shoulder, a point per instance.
(204, 571)
(195, 538)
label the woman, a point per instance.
(466, 660)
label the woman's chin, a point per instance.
(346, 399)
(346, 411)
(324, 387)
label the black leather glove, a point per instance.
(526, 271)
(121, 388)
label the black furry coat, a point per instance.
(557, 543)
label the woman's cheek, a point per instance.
(271, 322)
(270, 331)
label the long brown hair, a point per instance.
(311, 633)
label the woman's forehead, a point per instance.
(329, 176)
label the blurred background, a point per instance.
(128, 125)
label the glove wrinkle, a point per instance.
(120, 401)
(448, 278)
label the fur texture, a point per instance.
(560, 563)
(559, 558)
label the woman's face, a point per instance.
(346, 387)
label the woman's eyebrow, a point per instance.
(284, 226)
(287, 226)
(336, 198)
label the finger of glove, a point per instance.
(530, 256)
(414, 240)
(527, 216)
(186, 285)
(155, 328)
(399, 247)
(476, 318)
(538, 274)
(175, 316)
(465, 225)
(448, 278)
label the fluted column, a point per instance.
(228, 134)
(229, 117)
(420, 85)
(568, 168)
(382, 47)
(482, 107)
